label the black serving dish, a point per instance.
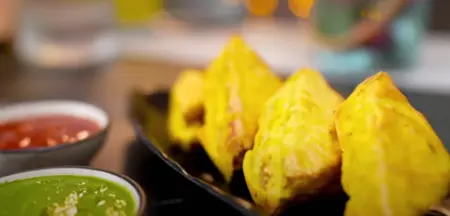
(149, 116)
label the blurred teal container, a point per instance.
(206, 11)
(397, 46)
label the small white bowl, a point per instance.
(136, 191)
(77, 153)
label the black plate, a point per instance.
(149, 116)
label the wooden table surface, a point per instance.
(108, 89)
(112, 90)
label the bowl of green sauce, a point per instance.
(70, 191)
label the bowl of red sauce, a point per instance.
(50, 133)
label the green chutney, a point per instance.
(65, 195)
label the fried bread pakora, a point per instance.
(237, 84)
(295, 153)
(186, 108)
(393, 163)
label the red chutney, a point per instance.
(45, 131)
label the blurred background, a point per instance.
(72, 34)
(99, 50)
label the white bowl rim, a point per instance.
(23, 110)
(125, 182)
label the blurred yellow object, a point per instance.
(186, 108)
(261, 7)
(300, 8)
(237, 85)
(374, 14)
(295, 154)
(393, 163)
(132, 12)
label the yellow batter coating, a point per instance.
(186, 108)
(393, 163)
(296, 153)
(237, 85)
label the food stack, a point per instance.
(299, 139)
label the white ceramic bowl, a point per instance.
(78, 153)
(130, 185)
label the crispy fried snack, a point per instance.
(186, 108)
(393, 163)
(295, 153)
(237, 85)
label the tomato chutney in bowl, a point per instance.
(50, 133)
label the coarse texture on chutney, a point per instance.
(65, 195)
(45, 131)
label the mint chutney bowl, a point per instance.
(70, 191)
